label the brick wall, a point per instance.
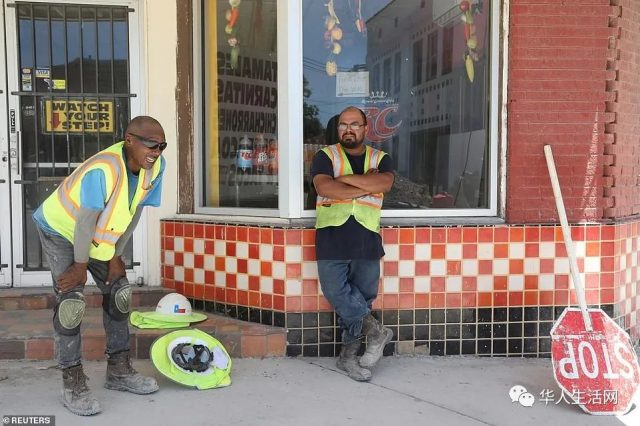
(622, 150)
(558, 89)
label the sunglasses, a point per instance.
(152, 145)
(354, 126)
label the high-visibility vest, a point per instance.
(61, 208)
(365, 209)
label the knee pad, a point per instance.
(68, 314)
(119, 300)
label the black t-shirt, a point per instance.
(350, 240)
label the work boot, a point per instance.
(377, 338)
(123, 377)
(76, 395)
(348, 361)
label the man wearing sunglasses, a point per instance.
(84, 226)
(350, 179)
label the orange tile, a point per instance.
(422, 268)
(179, 229)
(209, 293)
(241, 264)
(454, 235)
(438, 251)
(406, 285)
(309, 253)
(309, 237)
(607, 248)
(531, 282)
(390, 269)
(577, 233)
(485, 299)
(278, 287)
(178, 259)
(592, 296)
(532, 234)
(219, 295)
(188, 245)
(278, 253)
(469, 283)
(593, 233)
(437, 284)
(423, 235)
(254, 283)
(254, 251)
(220, 263)
(407, 235)
(407, 252)
(470, 235)
(437, 300)
(294, 270)
(406, 301)
(515, 298)
(438, 235)
(265, 269)
(421, 301)
(454, 300)
(531, 250)
(547, 266)
(310, 287)
(253, 346)
(546, 298)
(231, 296)
(485, 234)
(188, 230)
(501, 234)
(231, 232)
(606, 280)
(606, 295)
(558, 233)
(266, 235)
(278, 303)
(254, 299)
(607, 264)
(266, 301)
(454, 267)
(593, 249)
(500, 283)
(243, 298)
(278, 236)
(209, 247)
(500, 298)
(390, 301)
(561, 297)
(294, 304)
(469, 300)
(531, 298)
(501, 251)
(607, 232)
(198, 291)
(41, 349)
(293, 237)
(547, 233)
(485, 267)
(254, 234)
(188, 275)
(469, 251)
(219, 232)
(209, 231)
(516, 266)
(592, 280)
(562, 282)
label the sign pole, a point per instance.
(568, 242)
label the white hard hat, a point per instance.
(174, 307)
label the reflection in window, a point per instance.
(240, 160)
(424, 90)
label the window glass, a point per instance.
(240, 151)
(420, 70)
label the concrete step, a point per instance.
(43, 297)
(28, 334)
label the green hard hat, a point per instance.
(192, 358)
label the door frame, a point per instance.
(17, 277)
(5, 192)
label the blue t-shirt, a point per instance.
(93, 191)
(351, 240)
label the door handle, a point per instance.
(14, 152)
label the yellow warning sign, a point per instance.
(77, 116)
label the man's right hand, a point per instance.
(74, 276)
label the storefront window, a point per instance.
(421, 71)
(240, 148)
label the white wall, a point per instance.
(159, 38)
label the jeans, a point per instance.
(350, 286)
(68, 349)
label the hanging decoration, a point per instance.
(232, 15)
(332, 35)
(471, 40)
(361, 26)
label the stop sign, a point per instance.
(598, 370)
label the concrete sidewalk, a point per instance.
(311, 391)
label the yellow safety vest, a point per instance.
(365, 209)
(61, 208)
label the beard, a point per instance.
(350, 141)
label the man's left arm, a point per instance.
(375, 180)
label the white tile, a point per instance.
(546, 282)
(532, 266)
(168, 258)
(309, 270)
(266, 252)
(220, 279)
(266, 285)
(470, 267)
(198, 276)
(178, 273)
(293, 288)
(485, 251)
(253, 267)
(592, 264)
(293, 254)
(454, 251)
(561, 266)
(516, 251)
(242, 250)
(231, 265)
(278, 270)
(438, 268)
(484, 283)
(242, 282)
(188, 260)
(422, 285)
(547, 250)
(178, 244)
(581, 248)
(406, 268)
(391, 252)
(209, 262)
(453, 284)
(501, 267)
(423, 251)
(516, 282)
(198, 246)
(391, 285)
(220, 248)
(623, 262)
